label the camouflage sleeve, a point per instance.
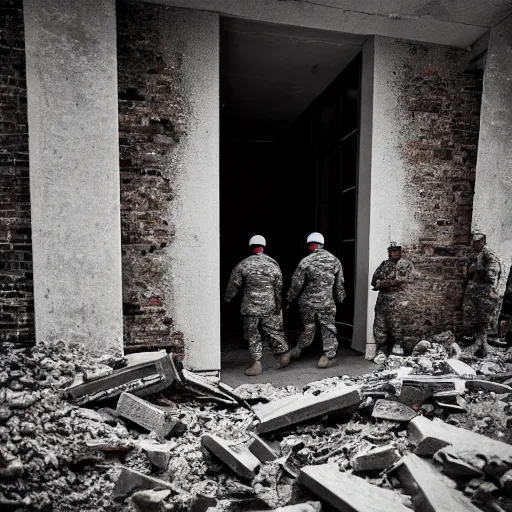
(339, 289)
(297, 283)
(278, 289)
(235, 281)
(376, 277)
(492, 269)
(405, 271)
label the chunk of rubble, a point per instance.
(148, 416)
(208, 388)
(376, 459)
(393, 411)
(486, 385)
(309, 506)
(294, 409)
(459, 368)
(454, 467)
(149, 501)
(418, 388)
(506, 483)
(97, 372)
(147, 373)
(262, 450)
(346, 492)
(236, 456)
(429, 492)
(158, 454)
(130, 481)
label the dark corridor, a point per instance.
(285, 182)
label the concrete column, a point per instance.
(492, 206)
(194, 265)
(74, 170)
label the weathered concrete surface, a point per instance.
(348, 492)
(158, 454)
(393, 411)
(378, 458)
(74, 171)
(429, 493)
(261, 450)
(130, 480)
(492, 208)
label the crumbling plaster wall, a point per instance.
(16, 285)
(424, 144)
(169, 139)
(493, 188)
(74, 170)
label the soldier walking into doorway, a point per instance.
(261, 278)
(323, 277)
(480, 296)
(390, 280)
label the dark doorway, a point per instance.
(288, 162)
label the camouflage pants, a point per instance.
(326, 320)
(478, 308)
(273, 332)
(389, 315)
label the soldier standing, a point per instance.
(390, 281)
(480, 296)
(262, 280)
(323, 275)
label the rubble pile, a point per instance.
(424, 432)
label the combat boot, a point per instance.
(469, 352)
(486, 349)
(380, 358)
(398, 350)
(326, 362)
(295, 352)
(254, 370)
(283, 359)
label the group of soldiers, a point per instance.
(318, 284)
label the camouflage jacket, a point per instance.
(323, 274)
(390, 275)
(485, 267)
(263, 283)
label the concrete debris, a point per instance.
(261, 450)
(486, 385)
(236, 456)
(428, 491)
(459, 368)
(149, 501)
(393, 411)
(97, 372)
(344, 491)
(208, 388)
(416, 389)
(310, 506)
(130, 481)
(421, 347)
(376, 459)
(455, 467)
(151, 417)
(295, 409)
(146, 374)
(158, 454)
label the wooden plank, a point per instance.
(420, 481)
(235, 456)
(297, 408)
(349, 493)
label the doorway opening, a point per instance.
(290, 102)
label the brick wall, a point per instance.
(16, 284)
(152, 116)
(439, 118)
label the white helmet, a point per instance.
(257, 240)
(315, 238)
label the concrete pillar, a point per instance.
(492, 206)
(194, 265)
(74, 170)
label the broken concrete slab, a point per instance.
(393, 411)
(309, 506)
(427, 436)
(487, 385)
(346, 492)
(421, 482)
(203, 385)
(459, 368)
(376, 459)
(149, 501)
(261, 450)
(145, 374)
(297, 408)
(158, 454)
(130, 481)
(450, 407)
(416, 389)
(146, 415)
(236, 456)
(454, 467)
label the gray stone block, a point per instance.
(376, 459)
(130, 481)
(158, 454)
(393, 411)
(261, 450)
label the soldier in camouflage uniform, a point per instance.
(323, 275)
(390, 281)
(262, 280)
(480, 296)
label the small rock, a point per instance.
(88, 414)
(5, 413)
(421, 347)
(13, 469)
(506, 483)
(158, 454)
(149, 501)
(27, 428)
(393, 411)
(97, 372)
(376, 459)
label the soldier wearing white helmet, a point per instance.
(322, 275)
(261, 278)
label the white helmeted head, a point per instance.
(315, 238)
(257, 240)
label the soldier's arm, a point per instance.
(278, 289)
(493, 268)
(297, 283)
(235, 282)
(404, 273)
(339, 289)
